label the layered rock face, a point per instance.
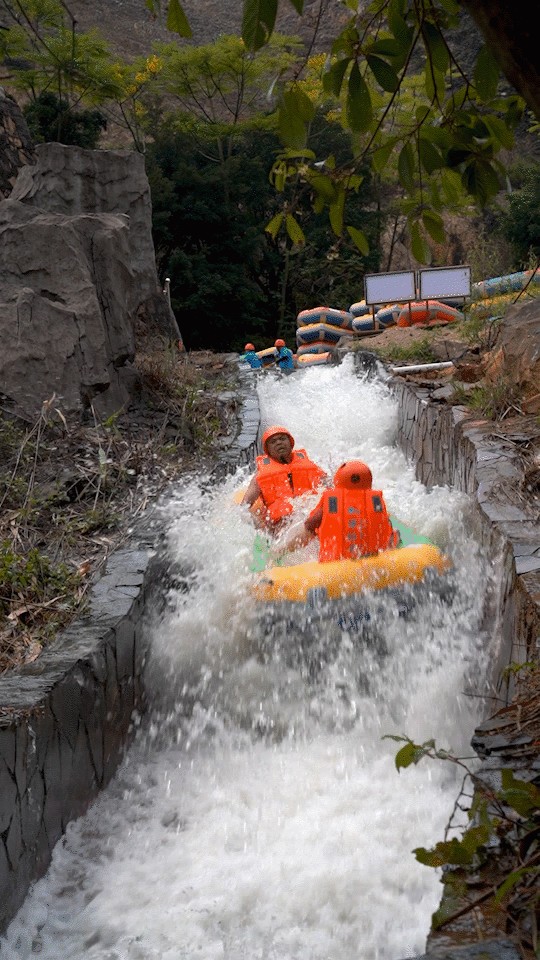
(77, 270)
(516, 354)
(16, 146)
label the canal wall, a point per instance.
(67, 718)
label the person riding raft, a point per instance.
(351, 519)
(283, 473)
(285, 358)
(251, 357)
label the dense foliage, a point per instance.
(521, 223)
(51, 119)
(230, 280)
(209, 238)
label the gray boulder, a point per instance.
(64, 327)
(77, 272)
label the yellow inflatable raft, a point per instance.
(313, 359)
(345, 578)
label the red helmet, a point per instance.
(279, 343)
(353, 475)
(249, 346)
(272, 432)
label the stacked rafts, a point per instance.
(318, 331)
(424, 313)
(366, 321)
(428, 313)
(511, 283)
(492, 296)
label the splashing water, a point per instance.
(259, 815)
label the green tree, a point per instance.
(327, 269)
(46, 53)
(210, 241)
(462, 119)
(67, 76)
(521, 221)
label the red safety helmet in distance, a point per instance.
(249, 346)
(279, 343)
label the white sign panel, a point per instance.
(444, 282)
(390, 287)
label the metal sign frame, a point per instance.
(397, 287)
(445, 283)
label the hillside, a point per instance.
(131, 28)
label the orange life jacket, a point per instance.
(355, 523)
(280, 482)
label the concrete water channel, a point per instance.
(67, 718)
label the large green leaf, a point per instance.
(347, 41)
(298, 6)
(302, 103)
(406, 167)
(419, 246)
(304, 154)
(430, 158)
(411, 752)
(294, 230)
(513, 879)
(177, 21)
(275, 223)
(454, 851)
(434, 225)
(486, 75)
(359, 239)
(384, 74)
(500, 131)
(359, 108)
(381, 155)
(436, 48)
(434, 80)
(322, 185)
(258, 22)
(522, 796)
(295, 111)
(399, 27)
(336, 211)
(481, 180)
(333, 77)
(387, 47)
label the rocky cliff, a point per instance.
(77, 272)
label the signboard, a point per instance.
(444, 282)
(390, 287)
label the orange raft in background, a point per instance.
(426, 313)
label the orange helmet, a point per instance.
(272, 432)
(249, 346)
(353, 475)
(279, 343)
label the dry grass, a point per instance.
(69, 491)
